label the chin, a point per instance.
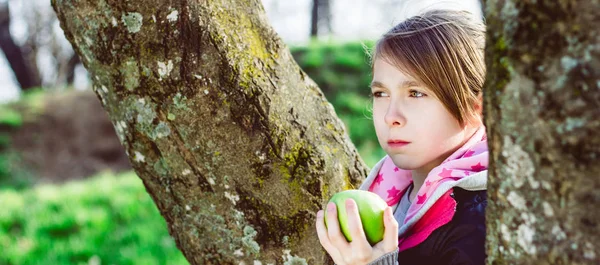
(405, 163)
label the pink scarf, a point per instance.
(391, 182)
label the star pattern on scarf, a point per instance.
(446, 173)
(421, 198)
(478, 167)
(467, 173)
(396, 169)
(393, 192)
(469, 153)
(428, 183)
(379, 179)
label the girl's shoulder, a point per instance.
(470, 203)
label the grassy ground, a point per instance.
(108, 219)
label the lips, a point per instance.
(397, 143)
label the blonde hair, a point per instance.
(443, 49)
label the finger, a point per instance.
(390, 236)
(324, 238)
(334, 233)
(322, 232)
(355, 226)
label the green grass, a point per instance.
(13, 114)
(107, 218)
(10, 117)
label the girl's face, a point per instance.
(413, 126)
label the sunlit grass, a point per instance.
(108, 218)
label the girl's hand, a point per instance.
(359, 251)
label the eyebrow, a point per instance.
(409, 83)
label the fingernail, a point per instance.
(331, 206)
(349, 204)
(320, 214)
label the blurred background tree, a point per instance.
(320, 18)
(35, 47)
(25, 73)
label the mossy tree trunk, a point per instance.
(236, 145)
(542, 105)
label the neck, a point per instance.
(418, 177)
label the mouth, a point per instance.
(397, 143)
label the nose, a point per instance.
(394, 115)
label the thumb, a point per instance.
(390, 238)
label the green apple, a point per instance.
(370, 209)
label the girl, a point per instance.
(428, 74)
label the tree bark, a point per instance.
(542, 103)
(27, 76)
(235, 144)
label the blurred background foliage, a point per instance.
(108, 218)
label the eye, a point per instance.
(379, 94)
(416, 94)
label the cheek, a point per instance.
(379, 122)
(379, 114)
(438, 126)
(449, 125)
(438, 119)
(378, 109)
(445, 134)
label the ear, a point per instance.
(477, 119)
(479, 105)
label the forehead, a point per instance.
(386, 73)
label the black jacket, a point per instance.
(461, 241)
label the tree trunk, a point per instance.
(542, 104)
(320, 17)
(236, 145)
(314, 19)
(70, 71)
(27, 76)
